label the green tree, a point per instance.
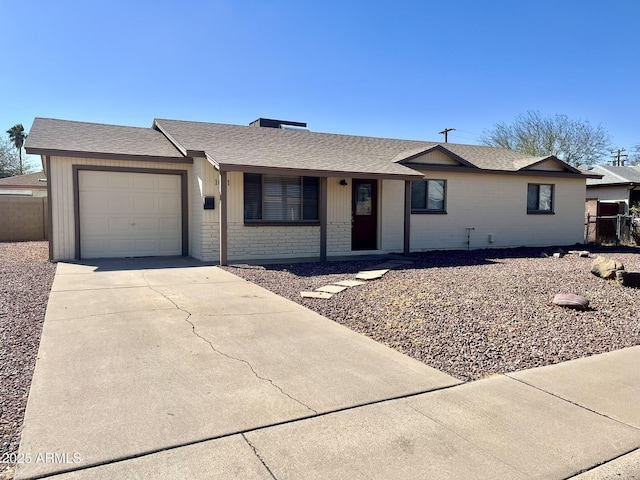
(17, 137)
(576, 142)
(9, 161)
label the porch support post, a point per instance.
(407, 215)
(223, 218)
(323, 219)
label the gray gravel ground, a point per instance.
(25, 281)
(474, 314)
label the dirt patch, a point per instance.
(25, 281)
(474, 314)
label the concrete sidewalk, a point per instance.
(169, 369)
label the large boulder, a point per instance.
(606, 267)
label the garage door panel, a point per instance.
(121, 202)
(168, 224)
(169, 182)
(145, 224)
(169, 203)
(148, 182)
(146, 204)
(93, 203)
(120, 181)
(126, 214)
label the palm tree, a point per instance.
(17, 137)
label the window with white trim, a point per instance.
(280, 199)
(428, 196)
(540, 198)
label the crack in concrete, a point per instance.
(224, 354)
(572, 402)
(257, 454)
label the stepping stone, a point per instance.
(324, 295)
(331, 289)
(371, 274)
(349, 283)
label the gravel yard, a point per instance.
(474, 314)
(25, 280)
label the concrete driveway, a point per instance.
(144, 356)
(170, 369)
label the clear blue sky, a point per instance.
(401, 69)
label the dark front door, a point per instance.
(364, 225)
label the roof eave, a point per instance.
(317, 173)
(106, 156)
(536, 173)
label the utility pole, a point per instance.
(445, 132)
(618, 157)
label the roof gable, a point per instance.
(433, 155)
(548, 164)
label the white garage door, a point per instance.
(126, 214)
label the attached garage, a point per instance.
(126, 213)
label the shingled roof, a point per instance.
(29, 180)
(233, 147)
(252, 148)
(614, 175)
(63, 137)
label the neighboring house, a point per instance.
(230, 193)
(607, 197)
(23, 207)
(30, 185)
(617, 185)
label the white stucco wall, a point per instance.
(495, 206)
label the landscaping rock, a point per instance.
(569, 300)
(628, 279)
(606, 267)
